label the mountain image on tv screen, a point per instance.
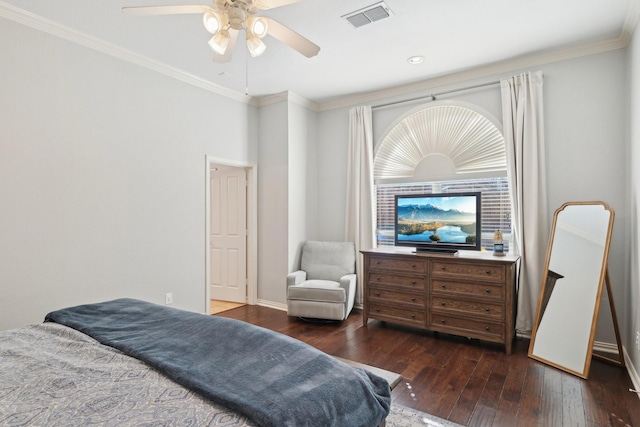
(437, 219)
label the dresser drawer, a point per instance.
(404, 315)
(491, 273)
(417, 266)
(463, 326)
(480, 309)
(463, 289)
(387, 295)
(410, 282)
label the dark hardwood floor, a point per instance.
(466, 381)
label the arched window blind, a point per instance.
(438, 141)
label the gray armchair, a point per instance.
(325, 285)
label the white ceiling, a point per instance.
(452, 35)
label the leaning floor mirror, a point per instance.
(574, 276)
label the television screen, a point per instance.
(444, 222)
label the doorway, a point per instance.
(231, 249)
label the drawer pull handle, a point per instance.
(413, 266)
(487, 328)
(443, 286)
(413, 282)
(377, 294)
(413, 299)
(413, 316)
(443, 268)
(488, 290)
(377, 309)
(488, 271)
(443, 321)
(443, 303)
(378, 278)
(487, 309)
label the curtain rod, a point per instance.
(433, 95)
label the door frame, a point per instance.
(252, 227)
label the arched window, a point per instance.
(444, 147)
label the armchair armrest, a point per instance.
(348, 281)
(296, 277)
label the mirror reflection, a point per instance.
(572, 286)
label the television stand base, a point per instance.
(436, 250)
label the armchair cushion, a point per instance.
(318, 290)
(328, 260)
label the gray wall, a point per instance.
(273, 202)
(631, 319)
(102, 177)
(287, 197)
(333, 144)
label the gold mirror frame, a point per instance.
(574, 275)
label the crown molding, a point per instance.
(55, 29)
(630, 21)
(263, 101)
(287, 96)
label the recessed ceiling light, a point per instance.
(415, 60)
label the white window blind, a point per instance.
(441, 140)
(496, 206)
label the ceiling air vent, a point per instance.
(368, 14)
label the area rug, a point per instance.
(401, 416)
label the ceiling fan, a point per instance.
(226, 18)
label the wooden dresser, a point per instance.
(471, 294)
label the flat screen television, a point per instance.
(445, 222)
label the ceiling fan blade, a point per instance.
(166, 10)
(233, 37)
(271, 4)
(291, 38)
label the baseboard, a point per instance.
(523, 334)
(605, 347)
(602, 347)
(271, 304)
(633, 373)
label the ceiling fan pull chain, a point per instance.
(246, 74)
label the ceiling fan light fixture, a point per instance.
(257, 26)
(255, 45)
(224, 19)
(219, 42)
(213, 21)
(236, 16)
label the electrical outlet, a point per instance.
(637, 340)
(168, 298)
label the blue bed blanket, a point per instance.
(271, 378)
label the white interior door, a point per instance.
(228, 229)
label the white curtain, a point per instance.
(360, 213)
(522, 117)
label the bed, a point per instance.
(132, 363)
